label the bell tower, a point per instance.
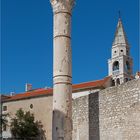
(120, 64)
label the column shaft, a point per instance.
(62, 89)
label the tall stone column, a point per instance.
(62, 75)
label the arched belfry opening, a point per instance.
(118, 81)
(115, 66)
(126, 79)
(113, 82)
(127, 65)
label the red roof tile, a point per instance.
(92, 84)
(3, 97)
(42, 91)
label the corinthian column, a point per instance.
(62, 75)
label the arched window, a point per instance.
(126, 79)
(127, 66)
(115, 65)
(113, 83)
(118, 81)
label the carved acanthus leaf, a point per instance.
(62, 5)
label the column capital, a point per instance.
(62, 5)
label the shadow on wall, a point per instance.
(42, 135)
(94, 132)
(61, 123)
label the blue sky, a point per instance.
(26, 42)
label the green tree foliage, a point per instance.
(23, 125)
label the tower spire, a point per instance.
(120, 64)
(120, 36)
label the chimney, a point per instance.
(28, 87)
(12, 93)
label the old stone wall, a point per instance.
(110, 114)
(86, 117)
(80, 118)
(119, 112)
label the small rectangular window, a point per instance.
(4, 108)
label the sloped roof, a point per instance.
(120, 36)
(44, 92)
(2, 97)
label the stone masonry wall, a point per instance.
(119, 112)
(80, 118)
(86, 117)
(110, 114)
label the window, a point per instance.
(127, 65)
(31, 106)
(4, 108)
(126, 79)
(115, 51)
(115, 65)
(113, 83)
(121, 50)
(127, 52)
(118, 81)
